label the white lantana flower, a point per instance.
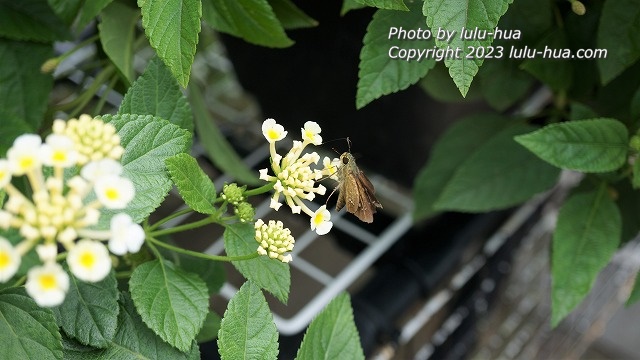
(47, 284)
(89, 261)
(321, 221)
(273, 131)
(9, 260)
(24, 155)
(94, 139)
(275, 240)
(114, 192)
(58, 150)
(47, 252)
(95, 170)
(126, 236)
(311, 133)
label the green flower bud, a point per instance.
(245, 212)
(233, 193)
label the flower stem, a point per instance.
(202, 255)
(169, 217)
(184, 227)
(262, 189)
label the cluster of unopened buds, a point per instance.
(72, 175)
(296, 182)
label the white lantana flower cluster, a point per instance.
(294, 178)
(61, 210)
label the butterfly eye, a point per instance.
(345, 160)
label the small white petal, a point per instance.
(114, 192)
(5, 173)
(47, 284)
(273, 131)
(89, 261)
(47, 252)
(10, 260)
(126, 236)
(95, 170)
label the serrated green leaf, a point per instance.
(211, 272)
(453, 147)
(252, 20)
(73, 350)
(171, 301)
(498, 175)
(247, 330)
(89, 10)
(385, 4)
(217, 147)
(210, 328)
(195, 187)
(557, 73)
(468, 14)
(156, 92)
(595, 145)
(134, 340)
(586, 237)
(380, 74)
(27, 331)
(619, 33)
(31, 20)
(172, 28)
(117, 32)
(25, 89)
(89, 312)
(438, 85)
(290, 16)
(269, 274)
(332, 334)
(147, 141)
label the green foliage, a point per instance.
(148, 141)
(171, 301)
(595, 145)
(252, 20)
(172, 28)
(379, 74)
(117, 27)
(27, 331)
(618, 25)
(247, 330)
(194, 185)
(385, 4)
(31, 20)
(586, 236)
(332, 334)
(290, 16)
(273, 276)
(89, 313)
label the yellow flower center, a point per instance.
(318, 219)
(111, 193)
(59, 156)
(47, 281)
(87, 260)
(273, 134)
(26, 162)
(5, 259)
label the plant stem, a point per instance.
(201, 255)
(184, 227)
(262, 189)
(169, 217)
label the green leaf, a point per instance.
(217, 147)
(27, 331)
(171, 301)
(443, 15)
(210, 328)
(247, 330)
(498, 175)
(595, 145)
(89, 10)
(380, 74)
(269, 274)
(348, 5)
(290, 16)
(252, 20)
(31, 20)
(503, 84)
(587, 235)
(147, 141)
(332, 334)
(557, 73)
(628, 201)
(172, 28)
(619, 33)
(117, 33)
(73, 350)
(385, 4)
(134, 340)
(90, 311)
(438, 85)
(457, 144)
(635, 292)
(211, 272)
(195, 187)
(581, 112)
(156, 92)
(24, 93)
(66, 10)
(634, 106)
